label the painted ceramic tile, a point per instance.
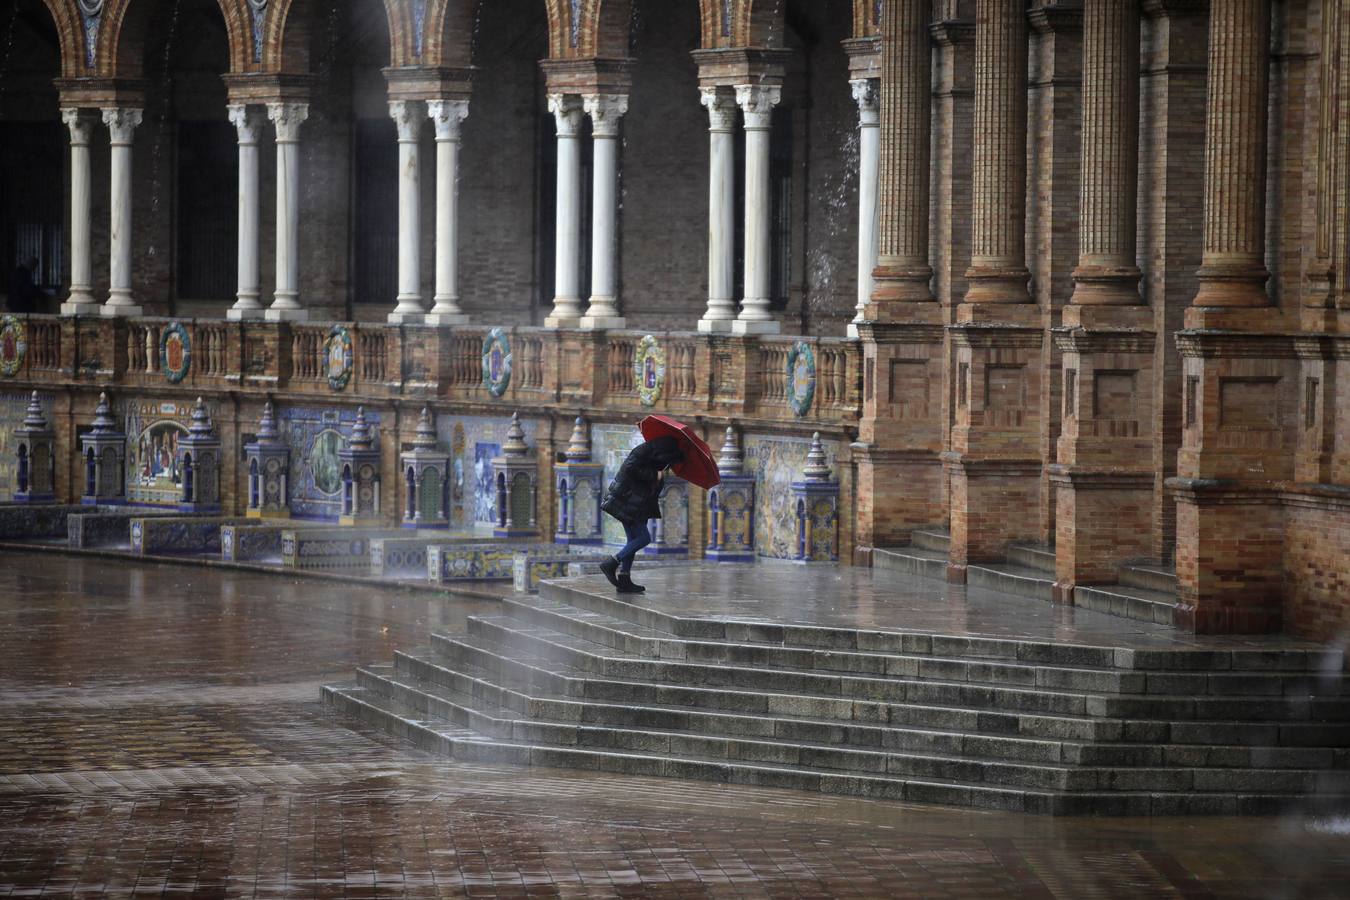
(473, 441)
(315, 436)
(777, 462)
(610, 445)
(13, 408)
(154, 427)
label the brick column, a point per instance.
(1103, 480)
(1233, 272)
(900, 435)
(994, 465)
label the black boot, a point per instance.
(626, 585)
(608, 568)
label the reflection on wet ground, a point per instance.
(161, 733)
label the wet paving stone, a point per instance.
(161, 734)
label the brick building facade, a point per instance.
(1107, 312)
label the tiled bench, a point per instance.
(528, 568)
(485, 561)
(19, 521)
(257, 540)
(329, 548)
(408, 555)
(176, 534)
(105, 527)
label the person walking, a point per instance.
(632, 499)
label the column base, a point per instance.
(285, 314)
(243, 313)
(852, 331)
(602, 323)
(715, 326)
(755, 326)
(435, 318)
(109, 311)
(406, 318)
(562, 321)
(80, 308)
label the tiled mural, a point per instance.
(610, 445)
(153, 427)
(776, 462)
(473, 441)
(13, 407)
(315, 436)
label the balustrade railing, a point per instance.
(530, 362)
(211, 358)
(621, 349)
(682, 369)
(44, 346)
(372, 356)
(307, 352)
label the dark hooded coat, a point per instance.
(633, 494)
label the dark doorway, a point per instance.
(375, 243)
(208, 211)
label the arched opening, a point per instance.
(410, 481)
(189, 487)
(21, 479)
(564, 506)
(90, 473)
(348, 494)
(254, 488)
(714, 520)
(503, 504)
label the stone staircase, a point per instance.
(577, 677)
(1146, 591)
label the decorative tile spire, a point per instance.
(515, 439)
(104, 423)
(201, 420)
(579, 447)
(731, 458)
(35, 420)
(267, 426)
(816, 468)
(426, 431)
(361, 438)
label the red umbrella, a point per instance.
(698, 467)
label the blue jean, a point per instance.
(638, 537)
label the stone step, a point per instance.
(911, 561)
(1011, 578)
(1040, 557)
(591, 598)
(1127, 601)
(651, 646)
(584, 675)
(1150, 576)
(445, 738)
(467, 703)
(933, 537)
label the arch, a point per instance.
(187, 478)
(90, 473)
(123, 28)
(757, 23)
(70, 37)
(287, 32)
(562, 37)
(22, 477)
(447, 33)
(606, 29)
(410, 482)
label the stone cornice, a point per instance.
(587, 76)
(96, 93)
(1052, 17)
(1081, 340)
(971, 334)
(952, 32)
(1156, 9)
(900, 332)
(729, 68)
(262, 87)
(429, 82)
(1235, 344)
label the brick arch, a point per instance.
(757, 23)
(448, 33)
(403, 37)
(606, 29)
(560, 29)
(69, 35)
(121, 36)
(286, 36)
(867, 18)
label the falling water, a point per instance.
(833, 203)
(162, 126)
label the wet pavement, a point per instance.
(161, 734)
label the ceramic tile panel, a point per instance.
(154, 426)
(13, 408)
(315, 436)
(776, 462)
(472, 442)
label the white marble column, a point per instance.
(567, 110)
(121, 122)
(287, 118)
(606, 111)
(721, 105)
(446, 116)
(867, 91)
(408, 116)
(757, 103)
(247, 124)
(81, 301)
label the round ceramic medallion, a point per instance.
(337, 357)
(649, 370)
(175, 352)
(496, 362)
(801, 377)
(13, 345)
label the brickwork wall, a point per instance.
(1316, 548)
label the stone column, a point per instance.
(866, 92)
(1232, 270)
(121, 122)
(721, 311)
(606, 111)
(246, 304)
(998, 271)
(408, 117)
(447, 116)
(287, 118)
(1107, 273)
(81, 300)
(567, 110)
(757, 103)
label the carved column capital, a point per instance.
(867, 94)
(567, 112)
(757, 102)
(447, 116)
(246, 121)
(287, 119)
(606, 111)
(121, 122)
(81, 126)
(721, 106)
(408, 117)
